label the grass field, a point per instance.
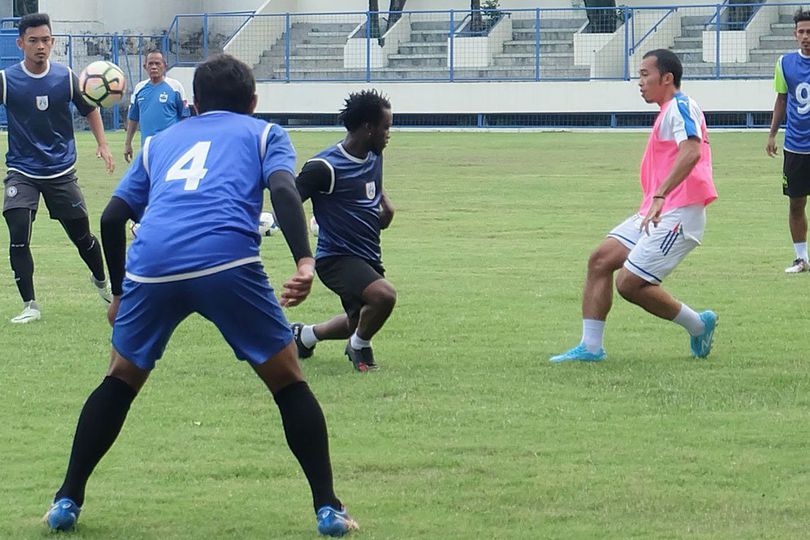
(467, 431)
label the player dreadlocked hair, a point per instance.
(668, 62)
(363, 107)
(33, 20)
(800, 16)
(223, 83)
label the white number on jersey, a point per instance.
(191, 166)
(803, 97)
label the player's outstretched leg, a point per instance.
(379, 299)
(99, 424)
(305, 430)
(305, 339)
(19, 221)
(78, 230)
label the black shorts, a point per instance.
(796, 174)
(62, 195)
(348, 277)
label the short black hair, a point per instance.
(800, 16)
(668, 62)
(223, 83)
(362, 107)
(33, 20)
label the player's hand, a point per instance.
(127, 152)
(103, 152)
(770, 148)
(297, 288)
(112, 309)
(653, 216)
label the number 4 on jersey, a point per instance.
(191, 166)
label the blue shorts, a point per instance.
(239, 301)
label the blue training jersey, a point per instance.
(792, 77)
(348, 215)
(197, 191)
(157, 106)
(40, 123)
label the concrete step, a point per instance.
(529, 34)
(550, 59)
(692, 30)
(687, 43)
(707, 70)
(765, 56)
(422, 48)
(784, 43)
(303, 62)
(430, 36)
(417, 60)
(689, 55)
(320, 39)
(418, 26)
(545, 46)
(782, 29)
(300, 49)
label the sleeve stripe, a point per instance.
(688, 122)
(263, 142)
(145, 154)
(70, 76)
(5, 88)
(331, 172)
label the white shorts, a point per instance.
(653, 257)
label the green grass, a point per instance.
(467, 431)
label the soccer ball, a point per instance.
(102, 83)
(267, 224)
(313, 226)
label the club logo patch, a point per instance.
(11, 191)
(163, 97)
(42, 103)
(371, 190)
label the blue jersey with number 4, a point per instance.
(197, 191)
(792, 77)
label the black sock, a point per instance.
(100, 422)
(78, 230)
(305, 428)
(22, 263)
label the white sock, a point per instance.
(308, 337)
(801, 250)
(32, 304)
(592, 333)
(689, 319)
(358, 343)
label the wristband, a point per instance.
(659, 196)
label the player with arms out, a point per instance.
(350, 206)
(41, 158)
(196, 189)
(792, 85)
(676, 180)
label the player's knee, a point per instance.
(627, 285)
(599, 262)
(383, 296)
(797, 208)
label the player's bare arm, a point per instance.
(132, 127)
(103, 151)
(386, 211)
(779, 108)
(688, 157)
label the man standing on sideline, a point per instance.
(156, 103)
(792, 85)
(41, 158)
(197, 190)
(350, 206)
(676, 179)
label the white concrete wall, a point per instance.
(219, 6)
(477, 51)
(505, 97)
(115, 15)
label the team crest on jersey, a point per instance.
(42, 103)
(11, 191)
(371, 190)
(163, 97)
